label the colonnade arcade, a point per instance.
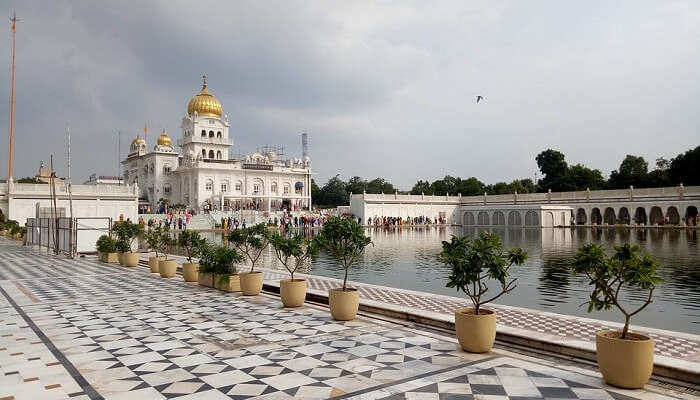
(639, 215)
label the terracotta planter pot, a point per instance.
(344, 304)
(625, 363)
(293, 293)
(232, 284)
(112, 258)
(167, 268)
(190, 272)
(251, 283)
(130, 259)
(206, 279)
(153, 263)
(475, 333)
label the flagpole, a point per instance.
(14, 20)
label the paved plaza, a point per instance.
(81, 329)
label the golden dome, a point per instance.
(164, 139)
(137, 141)
(204, 103)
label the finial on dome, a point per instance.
(204, 81)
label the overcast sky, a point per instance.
(384, 89)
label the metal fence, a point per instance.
(66, 235)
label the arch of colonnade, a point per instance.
(662, 213)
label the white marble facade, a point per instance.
(203, 176)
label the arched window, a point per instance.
(211, 153)
(211, 133)
(273, 188)
(531, 219)
(209, 185)
(287, 188)
(468, 218)
(498, 218)
(218, 154)
(166, 188)
(514, 218)
(483, 218)
(204, 153)
(238, 186)
(218, 134)
(204, 133)
(166, 168)
(224, 186)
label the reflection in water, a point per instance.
(409, 259)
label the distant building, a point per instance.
(103, 180)
(203, 177)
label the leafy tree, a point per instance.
(580, 177)
(251, 241)
(166, 242)
(523, 186)
(475, 261)
(627, 267)
(293, 252)
(334, 192)
(441, 187)
(30, 179)
(554, 168)
(379, 185)
(192, 242)
(469, 187)
(663, 164)
(356, 185)
(684, 168)
(422, 187)
(344, 239)
(499, 188)
(632, 172)
(126, 233)
(153, 236)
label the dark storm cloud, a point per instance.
(384, 89)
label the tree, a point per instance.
(356, 185)
(632, 172)
(580, 177)
(499, 188)
(192, 242)
(684, 168)
(422, 187)
(30, 179)
(334, 192)
(251, 242)
(343, 239)
(627, 267)
(524, 186)
(293, 252)
(475, 261)
(379, 185)
(554, 168)
(469, 187)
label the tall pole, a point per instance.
(119, 157)
(14, 20)
(70, 198)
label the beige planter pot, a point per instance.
(344, 304)
(206, 279)
(293, 293)
(251, 283)
(102, 257)
(232, 284)
(167, 268)
(190, 272)
(475, 333)
(112, 258)
(130, 259)
(625, 363)
(153, 263)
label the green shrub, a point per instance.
(106, 244)
(294, 252)
(251, 242)
(190, 241)
(344, 239)
(126, 232)
(152, 235)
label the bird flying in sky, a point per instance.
(479, 98)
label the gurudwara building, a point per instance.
(202, 175)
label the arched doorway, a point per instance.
(640, 216)
(549, 219)
(468, 218)
(673, 217)
(581, 217)
(531, 219)
(624, 216)
(691, 216)
(609, 216)
(514, 219)
(656, 216)
(483, 218)
(498, 218)
(596, 218)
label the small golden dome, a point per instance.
(164, 139)
(137, 141)
(204, 103)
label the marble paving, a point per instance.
(86, 330)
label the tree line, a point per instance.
(557, 176)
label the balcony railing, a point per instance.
(205, 140)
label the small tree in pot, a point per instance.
(107, 249)
(345, 240)
(126, 233)
(251, 242)
(167, 267)
(293, 253)
(152, 235)
(473, 262)
(191, 242)
(625, 359)
(225, 273)
(206, 264)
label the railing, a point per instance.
(20, 188)
(207, 140)
(66, 235)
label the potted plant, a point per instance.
(191, 242)
(225, 273)
(152, 236)
(206, 264)
(473, 262)
(251, 242)
(625, 359)
(107, 249)
(293, 253)
(126, 233)
(166, 267)
(345, 240)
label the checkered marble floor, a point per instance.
(133, 335)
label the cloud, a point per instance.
(384, 89)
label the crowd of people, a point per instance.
(398, 221)
(171, 221)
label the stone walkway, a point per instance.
(86, 330)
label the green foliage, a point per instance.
(554, 168)
(250, 241)
(218, 259)
(343, 239)
(632, 172)
(580, 177)
(166, 241)
(627, 267)
(293, 252)
(126, 232)
(106, 244)
(475, 261)
(152, 235)
(192, 242)
(421, 187)
(684, 168)
(31, 179)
